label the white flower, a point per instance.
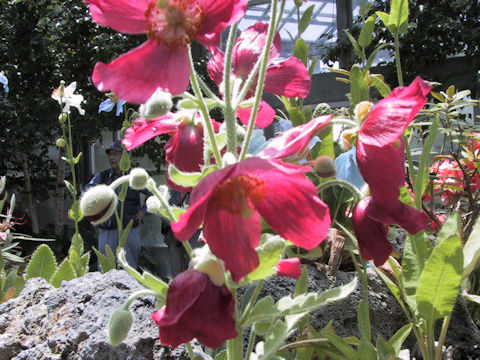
(66, 97)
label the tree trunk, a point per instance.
(31, 206)
(60, 196)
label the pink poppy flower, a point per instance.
(161, 61)
(381, 160)
(289, 268)
(230, 201)
(196, 308)
(288, 78)
(295, 140)
(185, 147)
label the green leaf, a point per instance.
(70, 187)
(65, 271)
(75, 213)
(263, 310)
(366, 34)
(326, 146)
(366, 350)
(305, 20)
(358, 86)
(221, 355)
(76, 160)
(382, 88)
(385, 351)
(187, 179)
(269, 252)
(397, 340)
(42, 263)
(364, 320)
(105, 262)
(84, 261)
(415, 254)
(451, 227)
(301, 287)
(373, 55)
(386, 21)
(296, 116)
(77, 244)
(356, 48)
(125, 162)
(421, 180)
(440, 280)
(398, 13)
(339, 343)
(471, 250)
(124, 234)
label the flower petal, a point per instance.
(122, 15)
(289, 78)
(143, 130)
(294, 140)
(265, 115)
(136, 75)
(371, 234)
(215, 65)
(389, 118)
(233, 239)
(289, 268)
(218, 15)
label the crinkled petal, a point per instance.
(389, 118)
(292, 208)
(120, 104)
(215, 65)
(122, 15)
(106, 105)
(294, 140)
(289, 78)
(218, 15)
(371, 234)
(233, 239)
(289, 268)
(347, 168)
(143, 130)
(265, 115)
(196, 308)
(249, 47)
(136, 75)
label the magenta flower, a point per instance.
(289, 268)
(196, 308)
(381, 160)
(288, 78)
(185, 147)
(295, 140)
(161, 61)
(230, 201)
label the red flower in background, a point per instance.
(288, 78)
(289, 268)
(230, 201)
(184, 149)
(381, 160)
(161, 61)
(196, 308)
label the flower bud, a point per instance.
(120, 323)
(159, 104)
(289, 268)
(205, 262)
(154, 206)
(62, 118)
(324, 166)
(98, 203)
(361, 111)
(138, 179)
(61, 142)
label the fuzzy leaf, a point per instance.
(269, 252)
(65, 271)
(77, 244)
(106, 263)
(42, 263)
(190, 179)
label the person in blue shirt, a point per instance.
(132, 209)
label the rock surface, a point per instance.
(70, 322)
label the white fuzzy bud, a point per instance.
(98, 203)
(159, 104)
(154, 206)
(205, 262)
(138, 179)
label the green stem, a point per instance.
(229, 112)
(261, 79)
(356, 193)
(137, 294)
(252, 300)
(151, 186)
(72, 166)
(397, 59)
(302, 343)
(121, 180)
(235, 346)
(443, 335)
(204, 110)
(251, 342)
(209, 92)
(190, 350)
(350, 123)
(188, 248)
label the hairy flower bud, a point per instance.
(203, 261)
(154, 206)
(138, 179)
(324, 166)
(158, 105)
(62, 118)
(61, 142)
(98, 203)
(120, 322)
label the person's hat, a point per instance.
(114, 145)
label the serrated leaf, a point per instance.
(42, 263)
(397, 340)
(305, 20)
(77, 244)
(83, 265)
(471, 250)
(440, 280)
(366, 34)
(186, 179)
(75, 213)
(65, 271)
(105, 262)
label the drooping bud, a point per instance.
(361, 111)
(324, 166)
(289, 268)
(98, 203)
(138, 179)
(120, 323)
(62, 118)
(61, 142)
(158, 105)
(205, 262)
